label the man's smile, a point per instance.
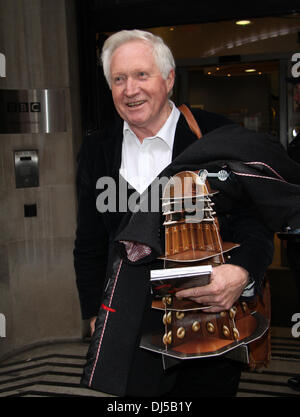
(135, 103)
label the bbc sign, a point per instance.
(32, 111)
(19, 107)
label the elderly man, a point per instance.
(148, 135)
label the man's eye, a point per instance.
(143, 75)
(119, 79)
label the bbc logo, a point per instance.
(23, 107)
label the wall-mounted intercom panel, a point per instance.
(26, 168)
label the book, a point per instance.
(169, 281)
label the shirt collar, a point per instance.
(167, 131)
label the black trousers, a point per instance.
(214, 377)
(211, 377)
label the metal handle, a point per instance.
(222, 175)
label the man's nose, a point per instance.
(132, 86)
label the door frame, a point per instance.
(283, 59)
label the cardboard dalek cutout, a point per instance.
(193, 245)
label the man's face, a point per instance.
(140, 94)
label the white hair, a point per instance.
(162, 54)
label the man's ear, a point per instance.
(170, 80)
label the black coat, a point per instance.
(114, 360)
(100, 156)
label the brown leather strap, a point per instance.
(190, 120)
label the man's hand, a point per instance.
(227, 284)
(92, 324)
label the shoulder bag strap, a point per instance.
(190, 120)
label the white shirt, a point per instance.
(142, 162)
